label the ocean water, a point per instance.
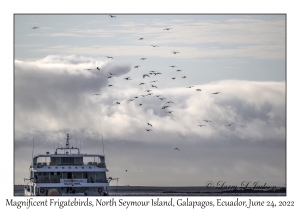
(168, 191)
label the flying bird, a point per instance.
(173, 66)
(179, 70)
(198, 89)
(153, 86)
(148, 130)
(207, 120)
(35, 27)
(201, 125)
(89, 69)
(96, 94)
(112, 16)
(175, 52)
(176, 149)
(145, 75)
(143, 58)
(189, 86)
(167, 29)
(109, 57)
(142, 83)
(98, 68)
(170, 112)
(127, 78)
(184, 77)
(140, 104)
(154, 81)
(148, 91)
(216, 93)
(154, 45)
(173, 78)
(110, 85)
(230, 124)
(118, 102)
(149, 124)
(141, 38)
(137, 66)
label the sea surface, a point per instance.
(171, 191)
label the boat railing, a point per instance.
(43, 164)
(57, 180)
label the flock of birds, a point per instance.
(149, 91)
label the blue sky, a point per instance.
(241, 56)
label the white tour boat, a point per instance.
(71, 173)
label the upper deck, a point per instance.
(65, 158)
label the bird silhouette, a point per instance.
(110, 85)
(153, 86)
(176, 149)
(148, 91)
(140, 104)
(170, 112)
(109, 57)
(141, 38)
(98, 68)
(230, 124)
(184, 77)
(189, 86)
(179, 70)
(143, 58)
(112, 16)
(173, 78)
(154, 45)
(201, 125)
(89, 69)
(118, 102)
(142, 83)
(154, 81)
(148, 130)
(127, 78)
(175, 52)
(207, 120)
(137, 66)
(216, 93)
(173, 66)
(167, 29)
(145, 75)
(149, 124)
(96, 94)
(35, 27)
(198, 89)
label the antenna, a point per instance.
(32, 150)
(102, 140)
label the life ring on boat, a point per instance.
(42, 190)
(100, 190)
